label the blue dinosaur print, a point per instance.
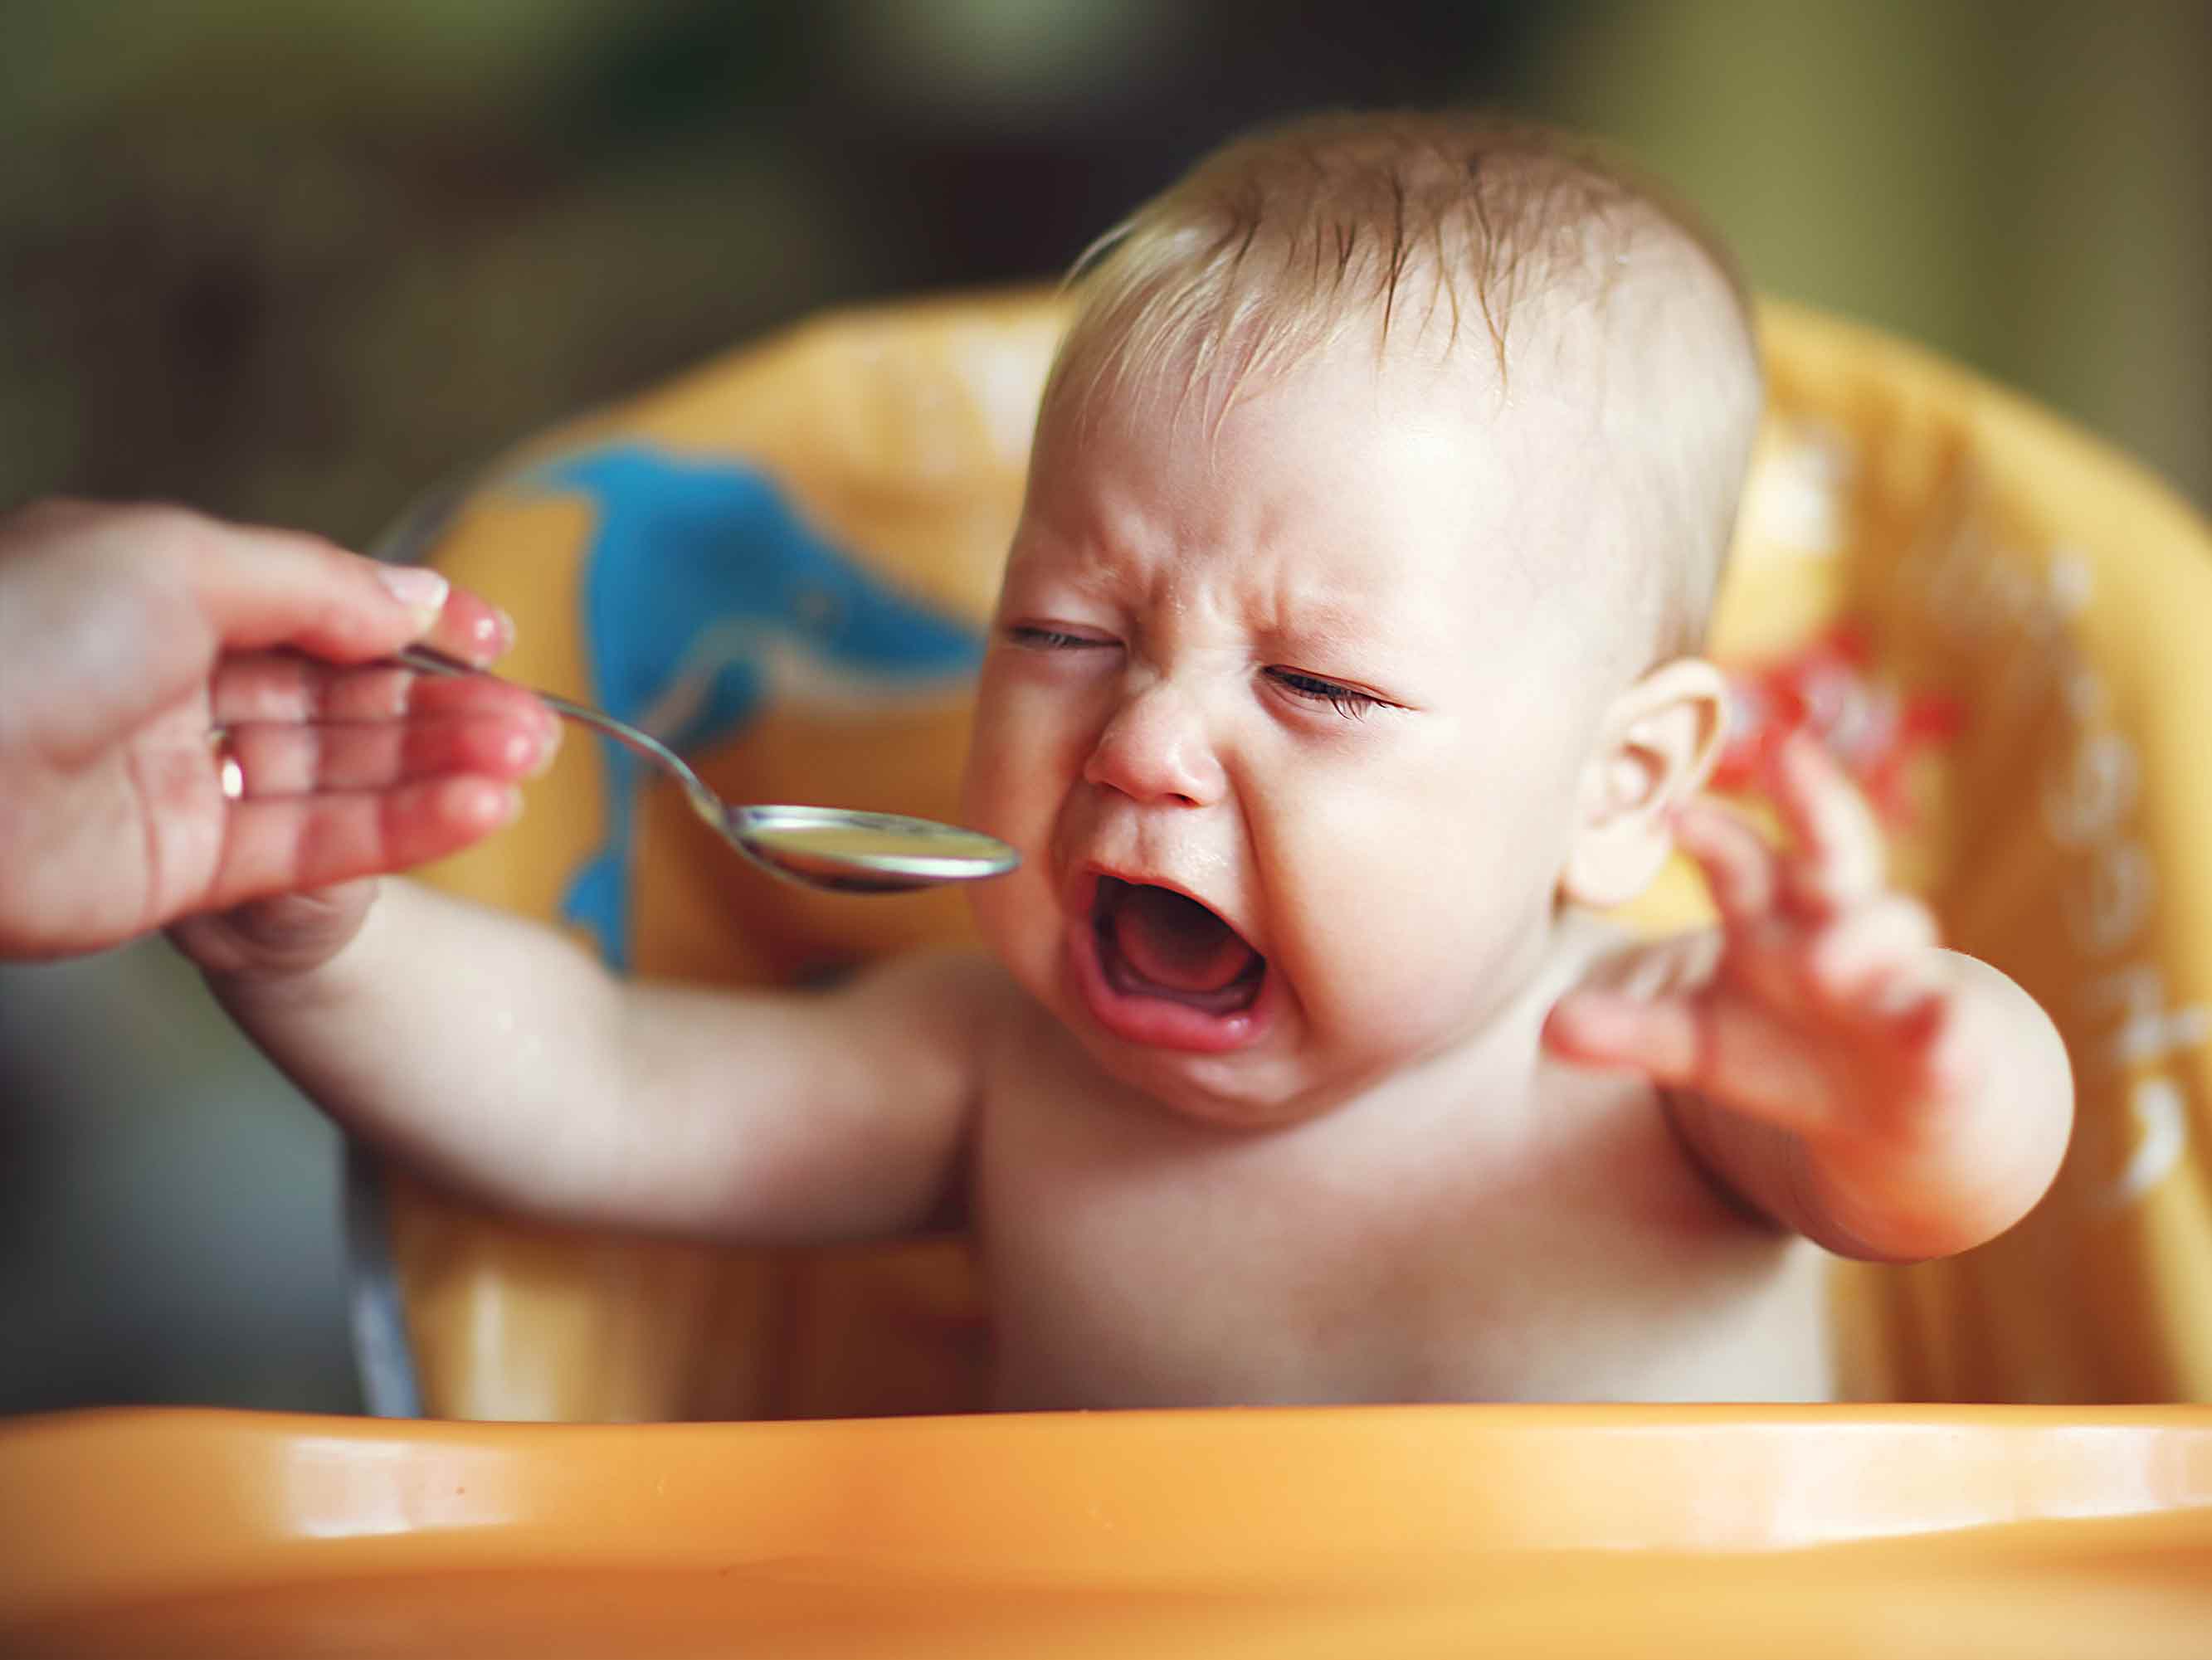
(706, 598)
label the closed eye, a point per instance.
(1347, 701)
(1035, 637)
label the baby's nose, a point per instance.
(1156, 749)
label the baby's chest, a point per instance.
(1127, 1269)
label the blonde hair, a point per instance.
(1448, 229)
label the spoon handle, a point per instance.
(707, 804)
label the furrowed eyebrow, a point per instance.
(1074, 562)
(1093, 578)
(1324, 622)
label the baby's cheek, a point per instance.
(1412, 921)
(1001, 760)
(999, 907)
(1373, 937)
(1011, 789)
(1400, 961)
(1028, 742)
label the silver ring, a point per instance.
(229, 776)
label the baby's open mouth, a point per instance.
(1154, 942)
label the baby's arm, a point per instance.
(501, 1059)
(1822, 1055)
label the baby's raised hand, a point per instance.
(1822, 1006)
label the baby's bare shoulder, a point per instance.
(965, 972)
(964, 994)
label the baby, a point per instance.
(1343, 669)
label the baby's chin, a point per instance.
(1298, 1074)
(1231, 1092)
(1275, 1085)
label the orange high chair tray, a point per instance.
(1540, 1531)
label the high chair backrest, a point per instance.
(782, 562)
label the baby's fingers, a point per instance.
(1740, 868)
(1684, 961)
(1840, 857)
(295, 843)
(1876, 963)
(1728, 1049)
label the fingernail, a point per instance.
(418, 587)
(532, 752)
(510, 807)
(549, 745)
(489, 635)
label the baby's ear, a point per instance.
(1655, 749)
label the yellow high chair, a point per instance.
(782, 563)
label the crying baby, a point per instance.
(1345, 672)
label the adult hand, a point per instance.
(150, 657)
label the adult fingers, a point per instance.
(256, 586)
(291, 759)
(283, 685)
(288, 843)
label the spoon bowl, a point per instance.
(846, 851)
(835, 849)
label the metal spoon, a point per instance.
(834, 849)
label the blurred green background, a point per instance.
(299, 262)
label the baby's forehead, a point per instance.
(1564, 323)
(1422, 500)
(1333, 480)
(1370, 417)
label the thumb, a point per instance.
(266, 588)
(257, 588)
(1603, 1027)
(1734, 1052)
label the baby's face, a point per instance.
(1287, 731)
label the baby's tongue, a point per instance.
(1178, 943)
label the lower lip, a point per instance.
(1157, 1022)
